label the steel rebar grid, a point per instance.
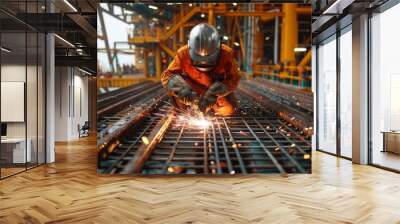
(255, 141)
(197, 150)
(112, 113)
(128, 144)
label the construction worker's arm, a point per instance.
(173, 69)
(232, 76)
(173, 80)
(230, 79)
(222, 87)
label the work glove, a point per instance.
(181, 89)
(209, 98)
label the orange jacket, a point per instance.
(226, 71)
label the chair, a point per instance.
(84, 130)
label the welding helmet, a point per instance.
(204, 47)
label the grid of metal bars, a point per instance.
(254, 141)
(231, 145)
(128, 145)
(107, 123)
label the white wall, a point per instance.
(71, 102)
(61, 103)
(33, 127)
(13, 73)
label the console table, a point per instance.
(391, 141)
(13, 150)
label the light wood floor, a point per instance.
(387, 159)
(10, 171)
(70, 191)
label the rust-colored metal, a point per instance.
(304, 122)
(289, 72)
(145, 62)
(123, 81)
(241, 42)
(289, 34)
(205, 151)
(120, 104)
(304, 10)
(167, 50)
(180, 23)
(144, 151)
(244, 13)
(115, 135)
(306, 59)
(181, 28)
(258, 51)
(211, 19)
(158, 61)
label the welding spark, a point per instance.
(199, 122)
(145, 140)
(171, 169)
(195, 121)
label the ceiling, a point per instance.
(74, 21)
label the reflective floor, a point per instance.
(387, 159)
(70, 191)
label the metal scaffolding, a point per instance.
(160, 30)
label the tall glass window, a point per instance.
(327, 96)
(22, 89)
(346, 92)
(15, 151)
(385, 89)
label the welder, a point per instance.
(203, 73)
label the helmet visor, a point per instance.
(207, 62)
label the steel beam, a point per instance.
(158, 61)
(289, 34)
(105, 36)
(276, 40)
(306, 59)
(145, 150)
(181, 22)
(211, 19)
(84, 24)
(145, 62)
(167, 50)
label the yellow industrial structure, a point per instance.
(156, 37)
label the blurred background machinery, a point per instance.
(269, 40)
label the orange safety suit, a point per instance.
(226, 71)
